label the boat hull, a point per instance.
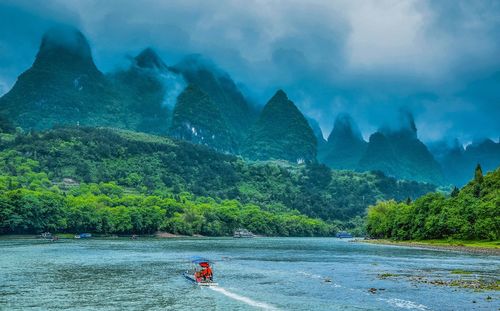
(202, 283)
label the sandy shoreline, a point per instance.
(453, 248)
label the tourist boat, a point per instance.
(46, 235)
(243, 233)
(200, 272)
(83, 236)
(344, 235)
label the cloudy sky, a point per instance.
(439, 59)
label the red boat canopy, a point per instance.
(204, 264)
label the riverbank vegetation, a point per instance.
(30, 203)
(116, 181)
(471, 214)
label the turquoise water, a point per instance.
(253, 274)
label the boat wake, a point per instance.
(405, 304)
(244, 299)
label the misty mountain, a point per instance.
(63, 86)
(145, 87)
(345, 145)
(281, 132)
(399, 153)
(238, 114)
(458, 162)
(318, 133)
(197, 119)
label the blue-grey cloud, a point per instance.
(438, 59)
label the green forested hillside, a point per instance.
(235, 110)
(30, 202)
(197, 119)
(402, 155)
(63, 86)
(281, 132)
(147, 165)
(142, 88)
(470, 213)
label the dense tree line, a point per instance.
(150, 164)
(472, 212)
(31, 203)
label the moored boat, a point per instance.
(46, 235)
(243, 233)
(344, 235)
(83, 236)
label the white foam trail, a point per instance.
(244, 299)
(405, 304)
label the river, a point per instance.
(253, 274)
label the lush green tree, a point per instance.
(467, 214)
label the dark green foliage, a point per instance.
(30, 203)
(478, 180)
(5, 125)
(345, 145)
(197, 119)
(281, 132)
(466, 214)
(478, 174)
(152, 164)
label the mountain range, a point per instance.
(458, 161)
(195, 101)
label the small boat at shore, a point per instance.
(343, 235)
(83, 236)
(49, 236)
(46, 235)
(201, 272)
(243, 233)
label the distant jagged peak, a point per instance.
(345, 127)
(198, 62)
(280, 95)
(148, 58)
(280, 103)
(404, 125)
(313, 123)
(482, 143)
(65, 46)
(456, 145)
(65, 37)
